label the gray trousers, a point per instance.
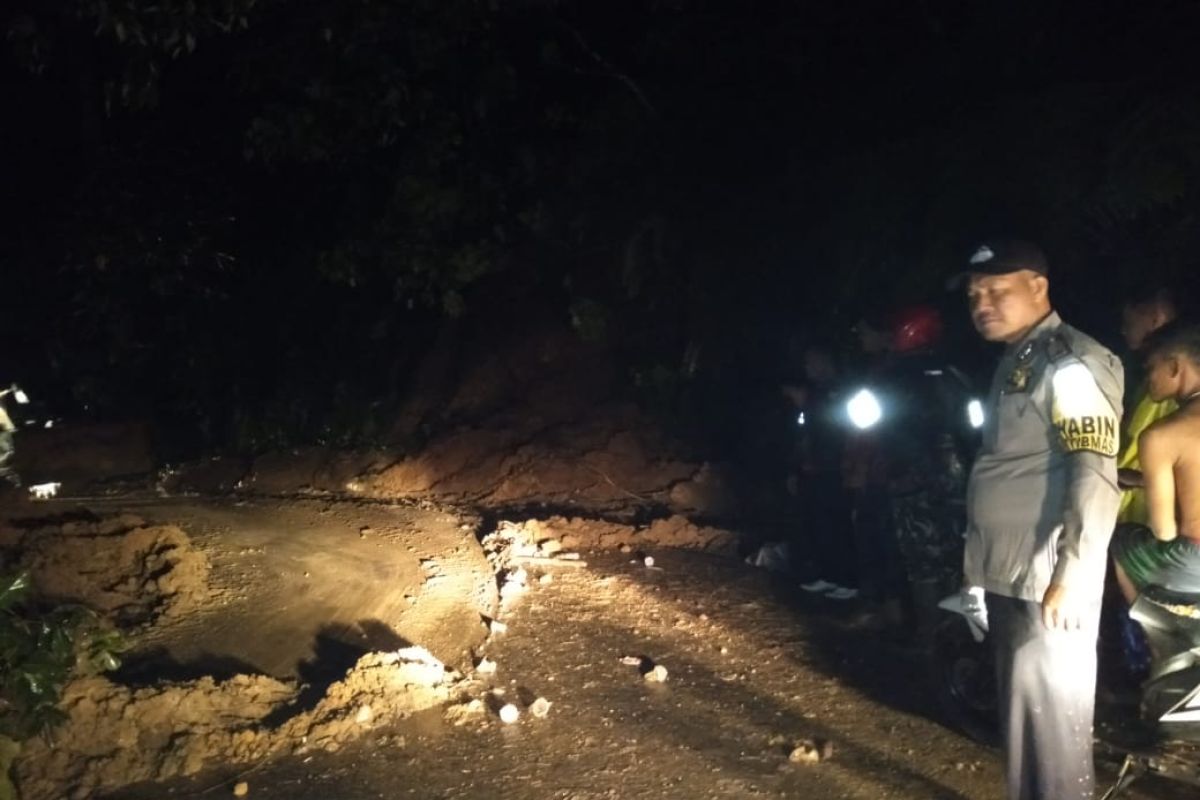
(1047, 688)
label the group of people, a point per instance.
(879, 468)
(1057, 468)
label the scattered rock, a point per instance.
(656, 674)
(648, 561)
(364, 715)
(496, 627)
(540, 708)
(811, 751)
(509, 713)
(241, 789)
(485, 666)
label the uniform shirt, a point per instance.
(1145, 413)
(1042, 498)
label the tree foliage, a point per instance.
(255, 214)
(40, 650)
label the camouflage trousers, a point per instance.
(927, 535)
(7, 473)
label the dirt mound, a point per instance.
(115, 736)
(382, 688)
(512, 541)
(611, 460)
(123, 568)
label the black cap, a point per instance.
(1000, 257)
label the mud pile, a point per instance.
(512, 541)
(115, 736)
(612, 460)
(127, 570)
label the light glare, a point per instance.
(864, 409)
(975, 413)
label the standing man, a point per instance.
(828, 544)
(1041, 504)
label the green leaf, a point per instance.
(13, 589)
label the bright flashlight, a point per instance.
(800, 419)
(864, 409)
(975, 413)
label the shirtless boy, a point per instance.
(1167, 554)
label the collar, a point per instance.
(1050, 322)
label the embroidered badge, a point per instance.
(1018, 380)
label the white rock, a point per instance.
(497, 627)
(540, 708)
(551, 546)
(486, 667)
(804, 754)
(509, 713)
(656, 675)
(811, 751)
(241, 789)
(364, 715)
(648, 561)
(546, 579)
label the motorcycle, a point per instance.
(1152, 731)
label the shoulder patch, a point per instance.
(1082, 416)
(1057, 347)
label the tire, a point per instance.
(963, 672)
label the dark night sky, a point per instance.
(715, 172)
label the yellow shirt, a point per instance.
(1146, 412)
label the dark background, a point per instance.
(252, 222)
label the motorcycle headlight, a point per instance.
(20, 396)
(975, 413)
(864, 409)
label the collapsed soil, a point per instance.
(114, 736)
(747, 678)
(128, 570)
(752, 673)
(267, 627)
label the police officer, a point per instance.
(1042, 499)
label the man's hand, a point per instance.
(1130, 479)
(1058, 610)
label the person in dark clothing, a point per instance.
(825, 510)
(907, 466)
